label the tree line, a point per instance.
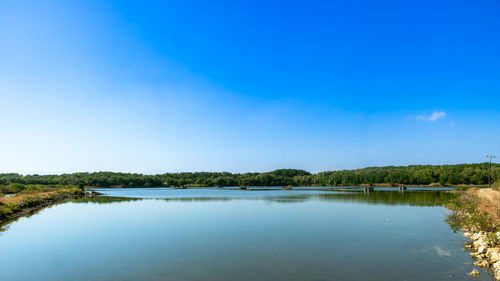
(476, 174)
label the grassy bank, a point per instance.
(32, 197)
(476, 209)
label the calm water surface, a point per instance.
(214, 234)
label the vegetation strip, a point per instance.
(466, 174)
(32, 198)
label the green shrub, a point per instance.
(465, 214)
(463, 203)
(496, 186)
(5, 211)
(71, 191)
(7, 189)
(492, 239)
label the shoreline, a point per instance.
(12, 208)
(335, 186)
(486, 256)
(477, 213)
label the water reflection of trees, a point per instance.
(411, 198)
(105, 199)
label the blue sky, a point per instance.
(165, 86)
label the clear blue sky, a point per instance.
(150, 87)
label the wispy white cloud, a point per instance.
(436, 115)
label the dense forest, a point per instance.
(418, 175)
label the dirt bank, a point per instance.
(489, 201)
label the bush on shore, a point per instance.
(496, 186)
(466, 215)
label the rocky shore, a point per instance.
(486, 255)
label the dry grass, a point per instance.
(489, 201)
(18, 199)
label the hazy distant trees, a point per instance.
(417, 174)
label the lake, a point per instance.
(231, 234)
